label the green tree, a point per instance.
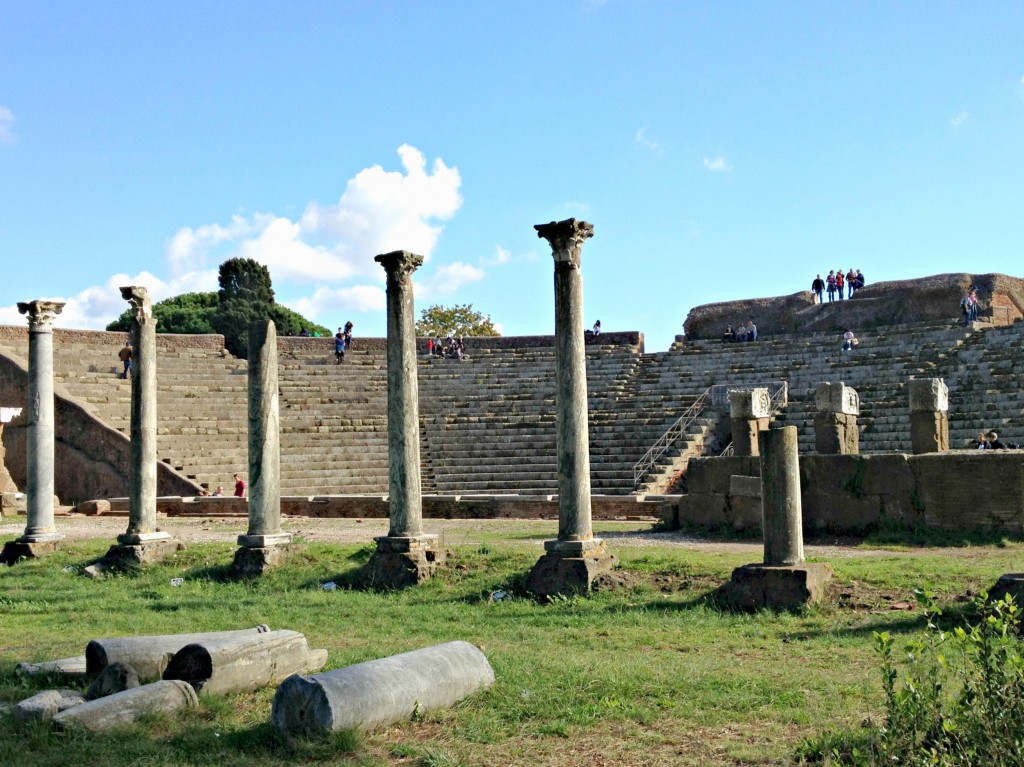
(245, 279)
(441, 321)
(187, 313)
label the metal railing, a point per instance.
(666, 440)
(779, 399)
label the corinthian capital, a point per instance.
(138, 298)
(41, 314)
(399, 263)
(566, 239)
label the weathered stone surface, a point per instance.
(401, 562)
(747, 487)
(93, 508)
(128, 706)
(47, 704)
(69, 668)
(929, 432)
(225, 665)
(149, 655)
(1008, 583)
(380, 692)
(836, 434)
(759, 586)
(558, 574)
(975, 489)
(14, 551)
(780, 497)
(750, 403)
(928, 395)
(253, 562)
(123, 556)
(836, 398)
(115, 678)
(744, 435)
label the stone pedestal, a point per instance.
(40, 536)
(142, 543)
(749, 414)
(835, 420)
(783, 580)
(571, 562)
(264, 546)
(405, 556)
(403, 561)
(929, 415)
(1008, 583)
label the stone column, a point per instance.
(750, 412)
(41, 536)
(929, 415)
(571, 562)
(835, 422)
(142, 543)
(406, 555)
(263, 547)
(783, 579)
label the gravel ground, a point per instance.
(452, 532)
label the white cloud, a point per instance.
(447, 279)
(501, 256)
(330, 301)
(647, 143)
(717, 164)
(6, 127)
(327, 246)
(959, 120)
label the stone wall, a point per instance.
(293, 344)
(960, 490)
(91, 459)
(927, 299)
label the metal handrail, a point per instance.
(666, 440)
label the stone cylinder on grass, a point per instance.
(380, 692)
(781, 512)
(929, 415)
(225, 665)
(576, 557)
(150, 655)
(750, 412)
(406, 556)
(129, 706)
(262, 546)
(835, 420)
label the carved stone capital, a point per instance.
(399, 263)
(566, 239)
(141, 306)
(41, 314)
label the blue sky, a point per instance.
(721, 150)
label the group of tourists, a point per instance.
(451, 348)
(342, 342)
(969, 306)
(219, 492)
(990, 441)
(836, 283)
(743, 332)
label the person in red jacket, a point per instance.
(239, 487)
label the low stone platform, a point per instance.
(777, 587)
(14, 551)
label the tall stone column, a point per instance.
(41, 536)
(835, 422)
(783, 579)
(263, 547)
(929, 415)
(406, 555)
(142, 543)
(571, 562)
(750, 412)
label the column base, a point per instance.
(569, 568)
(40, 536)
(400, 562)
(124, 556)
(139, 539)
(256, 561)
(777, 587)
(264, 541)
(16, 550)
(1008, 583)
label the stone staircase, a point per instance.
(487, 423)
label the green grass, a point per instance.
(655, 673)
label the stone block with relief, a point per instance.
(837, 398)
(928, 395)
(750, 403)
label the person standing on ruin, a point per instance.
(831, 282)
(339, 347)
(839, 283)
(125, 355)
(851, 283)
(818, 287)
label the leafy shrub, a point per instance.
(954, 699)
